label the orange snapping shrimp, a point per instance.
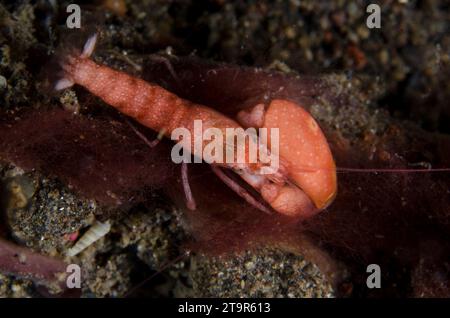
(305, 181)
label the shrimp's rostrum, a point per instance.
(304, 183)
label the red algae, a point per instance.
(101, 158)
(382, 218)
(43, 270)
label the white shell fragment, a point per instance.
(96, 232)
(89, 46)
(63, 83)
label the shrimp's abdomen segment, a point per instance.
(151, 105)
(303, 145)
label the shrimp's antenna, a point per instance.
(391, 170)
(372, 170)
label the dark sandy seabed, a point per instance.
(397, 76)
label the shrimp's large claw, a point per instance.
(305, 154)
(303, 145)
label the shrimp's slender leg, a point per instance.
(190, 201)
(239, 189)
(149, 143)
(168, 64)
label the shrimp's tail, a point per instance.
(70, 61)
